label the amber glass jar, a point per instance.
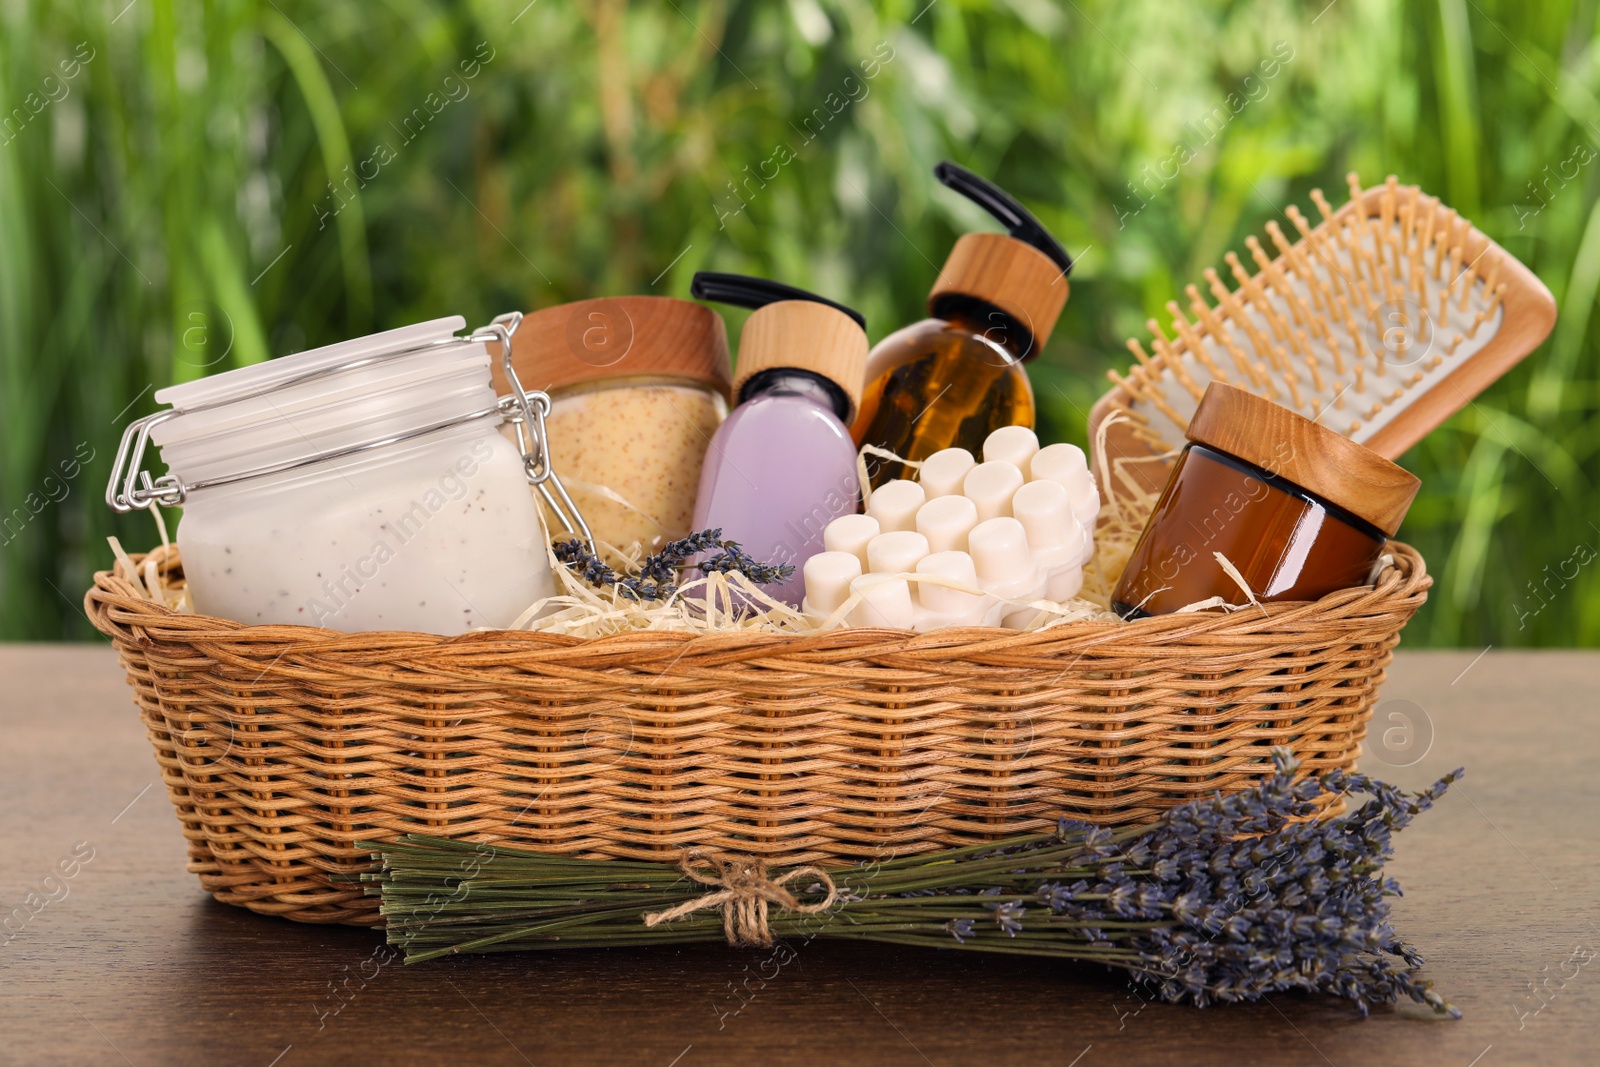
(1299, 510)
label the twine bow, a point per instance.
(744, 893)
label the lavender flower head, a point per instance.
(658, 574)
(1230, 898)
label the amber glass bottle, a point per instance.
(940, 384)
(951, 380)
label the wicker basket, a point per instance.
(281, 746)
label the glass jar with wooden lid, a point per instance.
(638, 384)
(1296, 509)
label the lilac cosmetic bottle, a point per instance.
(783, 465)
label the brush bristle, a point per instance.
(1348, 325)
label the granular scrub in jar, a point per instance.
(638, 385)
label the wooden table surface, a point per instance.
(129, 962)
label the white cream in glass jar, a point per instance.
(432, 530)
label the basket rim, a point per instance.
(117, 609)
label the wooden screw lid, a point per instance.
(808, 336)
(620, 337)
(1315, 458)
(1012, 275)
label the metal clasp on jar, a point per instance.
(526, 411)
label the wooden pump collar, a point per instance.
(1012, 275)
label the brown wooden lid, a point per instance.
(620, 337)
(1012, 275)
(1317, 459)
(809, 336)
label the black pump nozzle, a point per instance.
(1017, 220)
(741, 290)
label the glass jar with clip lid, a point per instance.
(362, 486)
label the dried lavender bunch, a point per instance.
(590, 567)
(734, 560)
(675, 555)
(658, 574)
(1231, 898)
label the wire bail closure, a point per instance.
(526, 411)
(131, 487)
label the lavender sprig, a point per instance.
(658, 573)
(734, 560)
(1230, 898)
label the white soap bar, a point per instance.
(1086, 503)
(943, 605)
(1066, 465)
(1063, 583)
(1045, 511)
(1016, 528)
(884, 601)
(1000, 551)
(1060, 547)
(1015, 445)
(896, 552)
(1020, 618)
(954, 567)
(945, 521)
(894, 504)
(1006, 569)
(1061, 462)
(990, 486)
(850, 533)
(828, 576)
(943, 472)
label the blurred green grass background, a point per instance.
(188, 186)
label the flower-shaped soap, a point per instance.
(967, 543)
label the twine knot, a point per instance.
(744, 891)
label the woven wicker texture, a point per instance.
(281, 746)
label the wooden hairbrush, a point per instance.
(1380, 322)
